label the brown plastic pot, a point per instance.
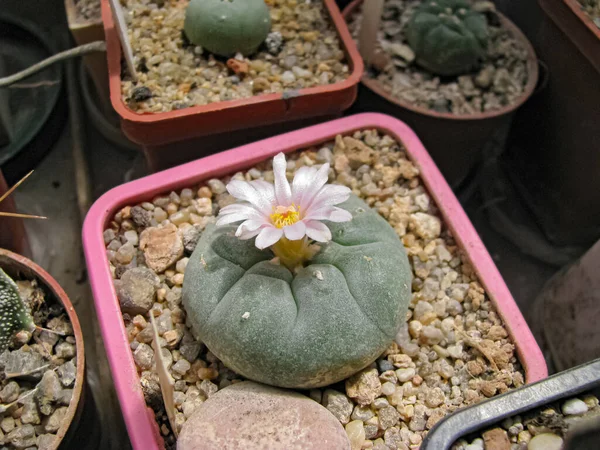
(81, 413)
(454, 142)
(156, 131)
(553, 149)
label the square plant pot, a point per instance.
(159, 129)
(141, 424)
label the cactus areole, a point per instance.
(227, 27)
(448, 37)
(304, 293)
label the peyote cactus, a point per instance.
(14, 315)
(448, 36)
(226, 27)
(302, 328)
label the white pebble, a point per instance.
(405, 374)
(181, 367)
(301, 73)
(574, 407)
(455, 351)
(181, 265)
(132, 237)
(477, 444)
(356, 434)
(109, 235)
(388, 388)
(288, 77)
(545, 441)
(216, 186)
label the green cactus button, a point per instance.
(227, 27)
(448, 37)
(306, 327)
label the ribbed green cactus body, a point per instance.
(305, 329)
(14, 315)
(226, 27)
(447, 36)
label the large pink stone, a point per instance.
(252, 416)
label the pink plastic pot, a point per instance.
(143, 431)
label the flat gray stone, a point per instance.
(253, 416)
(136, 290)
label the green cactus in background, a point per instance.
(448, 36)
(14, 315)
(226, 27)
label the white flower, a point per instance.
(271, 212)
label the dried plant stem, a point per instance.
(60, 333)
(92, 47)
(24, 374)
(472, 343)
(165, 380)
(367, 39)
(4, 408)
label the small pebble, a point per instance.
(545, 441)
(574, 407)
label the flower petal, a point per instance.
(330, 194)
(248, 230)
(239, 211)
(256, 194)
(245, 208)
(295, 232)
(250, 225)
(331, 213)
(231, 218)
(301, 182)
(267, 189)
(340, 215)
(283, 191)
(318, 231)
(316, 183)
(268, 236)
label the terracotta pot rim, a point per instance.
(532, 71)
(576, 8)
(114, 54)
(53, 286)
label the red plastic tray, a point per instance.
(163, 128)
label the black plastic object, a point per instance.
(489, 412)
(36, 105)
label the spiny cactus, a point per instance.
(14, 315)
(227, 27)
(448, 36)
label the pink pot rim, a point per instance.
(142, 428)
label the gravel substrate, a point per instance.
(303, 51)
(41, 360)
(592, 9)
(454, 350)
(500, 81)
(88, 10)
(541, 429)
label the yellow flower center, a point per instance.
(284, 216)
